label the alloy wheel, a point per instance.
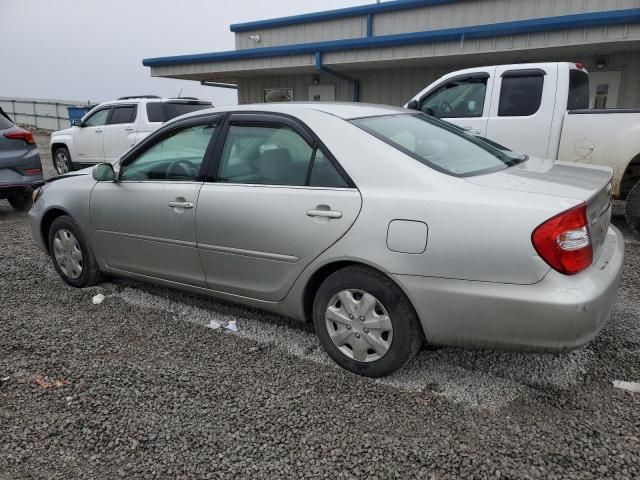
(62, 162)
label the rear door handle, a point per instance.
(128, 129)
(324, 213)
(98, 130)
(181, 204)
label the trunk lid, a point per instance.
(586, 183)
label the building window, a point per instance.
(273, 95)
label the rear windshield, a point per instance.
(439, 145)
(4, 121)
(578, 90)
(164, 111)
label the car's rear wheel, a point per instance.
(632, 211)
(62, 160)
(72, 257)
(365, 322)
(21, 203)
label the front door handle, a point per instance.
(324, 213)
(128, 129)
(98, 130)
(181, 204)
(473, 131)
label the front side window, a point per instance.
(124, 114)
(97, 119)
(271, 155)
(438, 144)
(177, 157)
(520, 96)
(457, 99)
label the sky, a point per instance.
(93, 49)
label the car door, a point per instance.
(144, 223)
(120, 131)
(276, 200)
(89, 137)
(522, 112)
(463, 100)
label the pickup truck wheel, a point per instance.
(62, 160)
(21, 203)
(632, 212)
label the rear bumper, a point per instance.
(556, 314)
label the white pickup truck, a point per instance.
(111, 128)
(542, 110)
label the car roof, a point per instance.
(345, 111)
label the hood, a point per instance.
(66, 131)
(75, 173)
(549, 177)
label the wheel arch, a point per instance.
(56, 145)
(630, 177)
(46, 222)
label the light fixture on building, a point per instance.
(255, 37)
(601, 63)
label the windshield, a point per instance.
(439, 145)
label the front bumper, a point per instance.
(556, 314)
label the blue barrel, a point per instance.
(76, 113)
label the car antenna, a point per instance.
(180, 94)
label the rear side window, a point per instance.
(520, 96)
(4, 121)
(124, 114)
(578, 90)
(165, 111)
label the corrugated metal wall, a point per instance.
(251, 89)
(42, 113)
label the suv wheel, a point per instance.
(62, 160)
(632, 210)
(21, 203)
(72, 257)
(365, 322)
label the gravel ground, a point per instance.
(151, 384)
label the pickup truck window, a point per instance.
(124, 114)
(520, 96)
(438, 144)
(578, 90)
(458, 98)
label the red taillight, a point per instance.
(580, 66)
(32, 171)
(21, 135)
(564, 241)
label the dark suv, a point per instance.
(20, 166)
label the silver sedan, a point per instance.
(384, 227)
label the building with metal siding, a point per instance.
(386, 52)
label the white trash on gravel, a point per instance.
(214, 324)
(232, 326)
(628, 386)
(98, 299)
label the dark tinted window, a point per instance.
(164, 111)
(324, 174)
(520, 96)
(4, 121)
(578, 90)
(437, 144)
(125, 114)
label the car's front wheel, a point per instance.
(20, 203)
(62, 160)
(365, 322)
(72, 257)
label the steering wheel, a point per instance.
(445, 108)
(180, 168)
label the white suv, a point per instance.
(111, 128)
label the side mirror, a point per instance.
(103, 172)
(413, 105)
(76, 122)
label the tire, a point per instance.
(62, 160)
(632, 210)
(22, 203)
(395, 346)
(65, 237)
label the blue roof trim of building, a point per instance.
(339, 13)
(580, 20)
